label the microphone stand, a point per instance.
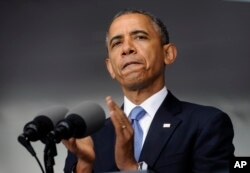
(26, 143)
(49, 153)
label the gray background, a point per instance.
(52, 53)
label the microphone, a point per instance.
(38, 129)
(81, 121)
(41, 125)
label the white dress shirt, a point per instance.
(151, 105)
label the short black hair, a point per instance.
(158, 23)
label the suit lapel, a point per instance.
(159, 134)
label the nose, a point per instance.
(128, 47)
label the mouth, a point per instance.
(127, 64)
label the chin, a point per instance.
(136, 85)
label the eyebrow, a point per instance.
(135, 32)
(139, 32)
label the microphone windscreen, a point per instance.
(55, 113)
(44, 122)
(88, 117)
(38, 128)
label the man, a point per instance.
(172, 136)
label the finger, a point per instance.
(116, 113)
(114, 107)
(118, 117)
(85, 141)
(70, 144)
(109, 103)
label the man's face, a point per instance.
(136, 54)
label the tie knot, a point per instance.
(137, 113)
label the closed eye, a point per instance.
(140, 37)
(116, 43)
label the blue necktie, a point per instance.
(136, 114)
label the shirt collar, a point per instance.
(150, 105)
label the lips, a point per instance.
(131, 63)
(125, 65)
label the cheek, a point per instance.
(115, 67)
(114, 58)
(153, 59)
(157, 63)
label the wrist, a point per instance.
(83, 167)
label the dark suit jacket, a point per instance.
(199, 140)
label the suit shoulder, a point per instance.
(202, 111)
(188, 110)
(199, 107)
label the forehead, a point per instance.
(130, 22)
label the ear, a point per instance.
(110, 68)
(170, 53)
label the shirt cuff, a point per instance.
(142, 166)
